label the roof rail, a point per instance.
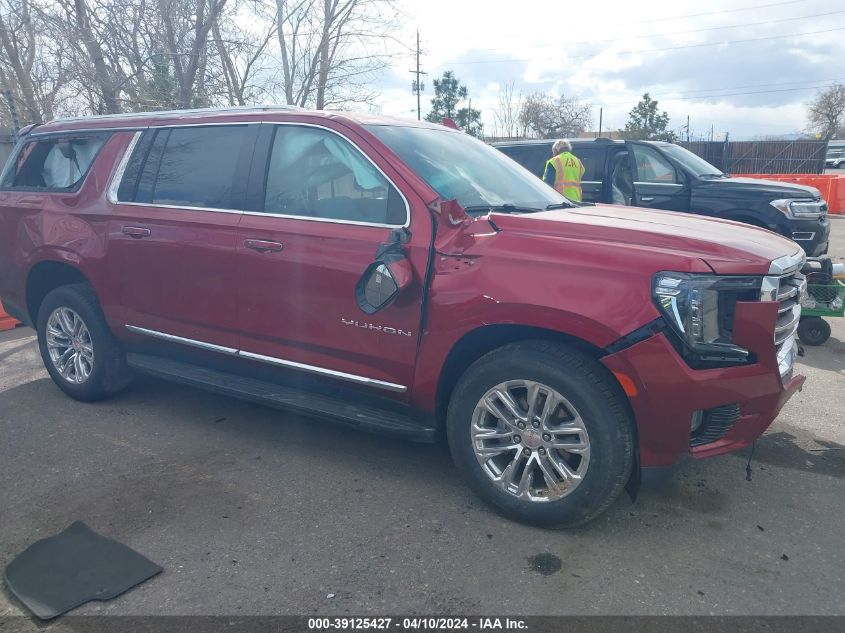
(178, 113)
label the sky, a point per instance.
(746, 67)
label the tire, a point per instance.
(593, 405)
(102, 370)
(813, 330)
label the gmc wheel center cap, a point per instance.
(532, 439)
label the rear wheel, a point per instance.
(542, 433)
(77, 347)
(813, 330)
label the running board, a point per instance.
(363, 416)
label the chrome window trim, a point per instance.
(272, 360)
(117, 177)
(172, 338)
(591, 182)
(114, 185)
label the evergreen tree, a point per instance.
(645, 123)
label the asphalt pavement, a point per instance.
(253, 511)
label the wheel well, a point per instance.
(47, 276)
(477, 343)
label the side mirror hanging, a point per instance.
(386, 277)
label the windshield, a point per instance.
(459, 166)
(693, 163)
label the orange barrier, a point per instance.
(831, 186)
(6, 322)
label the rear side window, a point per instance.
(188, 166)
(315, 173)
(532, 157)
(56, 163)
(591, 159)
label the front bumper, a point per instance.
(668, 391)
(811, 235)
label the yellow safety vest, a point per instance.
(568, 172)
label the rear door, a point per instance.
(321, 209)
(658, 184)
(173, 234)
(43, 184)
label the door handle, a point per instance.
(646, 198)
(30, 200)
(263, 246)
(136, 232)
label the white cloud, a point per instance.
(609, 53)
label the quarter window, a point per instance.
(316, 173)
(57, 163)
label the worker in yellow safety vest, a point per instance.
(564, 171)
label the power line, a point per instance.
(699, 15)
(727, 94)
(656, 35)
(649, 50)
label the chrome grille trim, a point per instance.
(786, 285)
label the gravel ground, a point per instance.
(252, 511)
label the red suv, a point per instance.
(404, 278)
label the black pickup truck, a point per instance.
(667, 176)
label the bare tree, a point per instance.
(17, 64)
(543, 116)
(244, 56)
(506, 115)
(826, 113)
(330, 48)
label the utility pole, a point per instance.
(601, 112)
(418, 86)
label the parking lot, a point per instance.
(252, 511)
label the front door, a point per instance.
(173, 234)
(658, 184)
(324, 208)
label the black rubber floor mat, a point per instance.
(59, 573)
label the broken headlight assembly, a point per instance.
(700, 312)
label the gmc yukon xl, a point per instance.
(403, 278)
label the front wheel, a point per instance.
(542, 432)
(77, 347)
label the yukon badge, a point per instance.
(364, 325)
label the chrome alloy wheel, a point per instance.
(530, 440)
(69, 345)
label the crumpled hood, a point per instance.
(727, 247)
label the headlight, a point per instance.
(700, 310)
(801, 209)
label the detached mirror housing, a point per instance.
(386, 277)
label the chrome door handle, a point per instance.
(136, 232)
(263, 246)
(647, 199)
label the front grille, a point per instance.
(716, 422)
(787, 288)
